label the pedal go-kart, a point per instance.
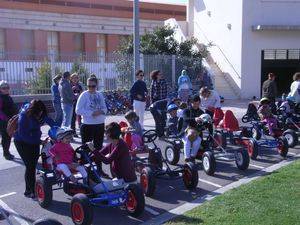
(289, 124)
(213, 147)
(151, 168)
(99, 192)
(228, 128)
(260, 133)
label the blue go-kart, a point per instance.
(259, 131)
(98, 192)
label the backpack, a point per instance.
(12, 125)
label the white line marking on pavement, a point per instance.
(11, 211)
(292, 153)
(8, 194)
(256, 166)
(211, 183)
(151, 211)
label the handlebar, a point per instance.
(149, 136)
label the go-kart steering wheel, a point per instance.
(245, 119)
(84, 148)
(149, 136)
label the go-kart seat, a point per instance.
(218, 116)
(229, 122)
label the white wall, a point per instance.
(214, 28)
(265, 12)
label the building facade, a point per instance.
(249, 39)
(73, 27)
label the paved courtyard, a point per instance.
(168, 195)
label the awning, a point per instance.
(276, 27)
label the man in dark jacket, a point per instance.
(67, 98)
(190, 114)
(269, 89)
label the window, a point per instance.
(53, 44)
(27, 42)
(78, 43)
(101, 46)
(2, 43)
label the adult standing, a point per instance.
(295, 87)
(56, 99)
(158, 88)
(138, 93)
(77, 90)
(67, 98)
(210, 100)
(184, 86)
(7, 110)
(269, 90)
(92, 109)
(27, 139)
(158, 110)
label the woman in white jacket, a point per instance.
(92, 108)
(210, 100)
(295, 87)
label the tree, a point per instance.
(161, 44)
(41, 84)
(77, 67)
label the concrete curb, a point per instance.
(199, 201)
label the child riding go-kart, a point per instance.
(149, 163)
(96, 191)
(266, 132)
(212, 147)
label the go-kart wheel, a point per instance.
(209, 163)
(242, 159)
(172, 154)
(291, 137)
(190, 176)
(135, 202)
(148, 181)
(43, 192)
(46, 222)
(283, 146)
(256, 134)
(219, 139)
(252, 148)
(81, 210)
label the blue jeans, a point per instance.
(58, 113)
(67, 114)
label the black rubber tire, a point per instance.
(176, 155)
(47, 222)
(137, 191)
(291, 137)
(245, 159)
(190, 176)
(284, 149)
(41, 185)
(253, 152)
(210, 168)
(147, 175)
(82, 201)
(256, 134)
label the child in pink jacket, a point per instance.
(63, 155)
